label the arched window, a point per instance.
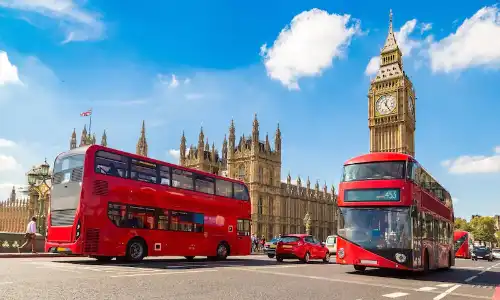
(271, 177)
(271, 206)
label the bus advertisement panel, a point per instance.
(107, 203)
(393, 214)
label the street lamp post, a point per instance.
(37, 180)
(307, 223)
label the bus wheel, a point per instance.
(448, 267)
(359, 268)
(190, 258)
(136, 250)
(103, 258)
(426, 261)
(222, 251)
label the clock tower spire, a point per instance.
(391, 102)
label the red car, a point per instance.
(301, 246)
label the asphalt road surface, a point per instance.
(253, 277)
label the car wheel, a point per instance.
(270, 255)
(326, 259)
(279, 258)
(306, 258)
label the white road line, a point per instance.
(426, 289)
(445, 285)
(58, 269)
(470, 296)
(470, 278)
(164, 273)
(6, 282)
(468, 268)
(395, 295)
(445, 293)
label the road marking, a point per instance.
(426, 289)
(164, 273)
(470, 278)
(468, 268)
(448, 291)
(58, 269)
(6, 282)
(445, 285)
(470, 296)
(395, 295)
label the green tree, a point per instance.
(462, 224)
(483, 229)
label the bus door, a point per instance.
(417, 238)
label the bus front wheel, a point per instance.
(136, 250)
(222, 251)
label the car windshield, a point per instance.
(274, 240)
(376, 228)
(374, 170)
(481, 249)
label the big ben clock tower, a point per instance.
(391, 103)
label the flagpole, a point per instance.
(90, 126)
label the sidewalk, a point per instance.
(28, 255)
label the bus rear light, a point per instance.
(78, 228)
(341, 253)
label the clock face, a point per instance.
(410, 104)
(385, 104)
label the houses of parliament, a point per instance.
(280, 207)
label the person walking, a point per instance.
(29, 236)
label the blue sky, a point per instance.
(306, 65)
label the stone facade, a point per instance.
(391, 103)
(277, 207)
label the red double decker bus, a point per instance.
(393, 214)
(107, 203)
(462, 244)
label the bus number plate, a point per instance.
(368, 262)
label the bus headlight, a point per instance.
(78, 228)
(341, 253)
(400, 257)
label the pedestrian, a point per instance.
(29, 236)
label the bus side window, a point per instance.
(182, 179)
(240, 192)
(111, 164)
(165, 175)
(204, 184)
(224, 188)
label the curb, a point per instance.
(30, 255)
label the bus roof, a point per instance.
(378, 156)
(83, 150)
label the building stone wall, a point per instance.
(277, 207)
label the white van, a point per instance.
(331, 244)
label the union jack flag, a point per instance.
(86, 113)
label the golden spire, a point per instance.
(142, 144)
(390, 41)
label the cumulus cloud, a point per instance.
(7, 163)
(308, 46)
(6, 143)
(474, 164)
(8, 72)
(406, 44)
(425, 27)
(78, 23)
(475, 43)
(175, 153)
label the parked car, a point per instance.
(270, 247)
(303, 247)
(482, 253)
(496, 253)
(331, 244)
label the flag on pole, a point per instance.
(86, 113)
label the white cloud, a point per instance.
(425, 27)
(475, 43)
(78, 23)
(308, 46)
(8, 72)
(474, 164)
(6, 143)
(7, 163)
(172, 82)
(406, 44)
(455, 200)
(175, 153)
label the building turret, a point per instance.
(182, 150)
(104, 139)
(84, 137)
(142, 144)
(277, 140)
(72, 143)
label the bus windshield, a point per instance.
(64, 166)
(460, 242)
(376, 228)
(374, 170)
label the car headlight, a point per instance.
(341, 253)
(400, 257)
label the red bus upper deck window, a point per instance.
(205, 184)
(240, 192)
(111, 164)
(224, 188)
(182, 179)
(374, 171)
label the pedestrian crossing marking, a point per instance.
(445, 285)
(426, 289)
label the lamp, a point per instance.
(45, 168)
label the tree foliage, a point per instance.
(483, 229)
(462, 224)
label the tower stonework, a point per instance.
(142, 144)
(277, 207)
(391, 102)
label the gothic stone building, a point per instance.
(277, 207)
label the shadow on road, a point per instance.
(454, 275)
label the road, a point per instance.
(254, 277)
